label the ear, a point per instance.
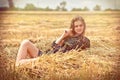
(71, 25)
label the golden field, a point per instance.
(100, 62)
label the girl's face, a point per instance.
(78, 27)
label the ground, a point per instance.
(100, 62)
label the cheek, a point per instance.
(79, 29)
(82, 28)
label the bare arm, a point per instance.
(60, 40)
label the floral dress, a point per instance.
(78, 43)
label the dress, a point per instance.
(79, 43)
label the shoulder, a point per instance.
(86, 43)
(85, 39)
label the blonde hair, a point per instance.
(72, 26)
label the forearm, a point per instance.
(59, 41)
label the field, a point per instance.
(100, 62)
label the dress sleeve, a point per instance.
(55, 47)
(86, 43)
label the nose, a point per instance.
(79, 27)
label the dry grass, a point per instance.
(100, 62)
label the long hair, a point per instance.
(72, 26)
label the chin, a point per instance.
(79, 33)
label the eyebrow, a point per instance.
(79, 25)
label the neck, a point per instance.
(78, 35)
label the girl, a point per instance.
(72, 38)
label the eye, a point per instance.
(76, 25)
(81, 25)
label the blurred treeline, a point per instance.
(60, 7)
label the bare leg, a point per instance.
(26, 48)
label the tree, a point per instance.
(97, 8)
(108, 9)
(48, 9)
(30, 7)
(11, 4)
(61, 6)
(76, 9)
(85, 9)
(57, 8)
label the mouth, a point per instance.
(79, 31)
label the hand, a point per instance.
(66, 33)
(61, 39)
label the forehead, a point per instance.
(78, 22)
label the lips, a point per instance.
(79, 32)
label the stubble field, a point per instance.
(100, 62)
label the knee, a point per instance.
(25, 42)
